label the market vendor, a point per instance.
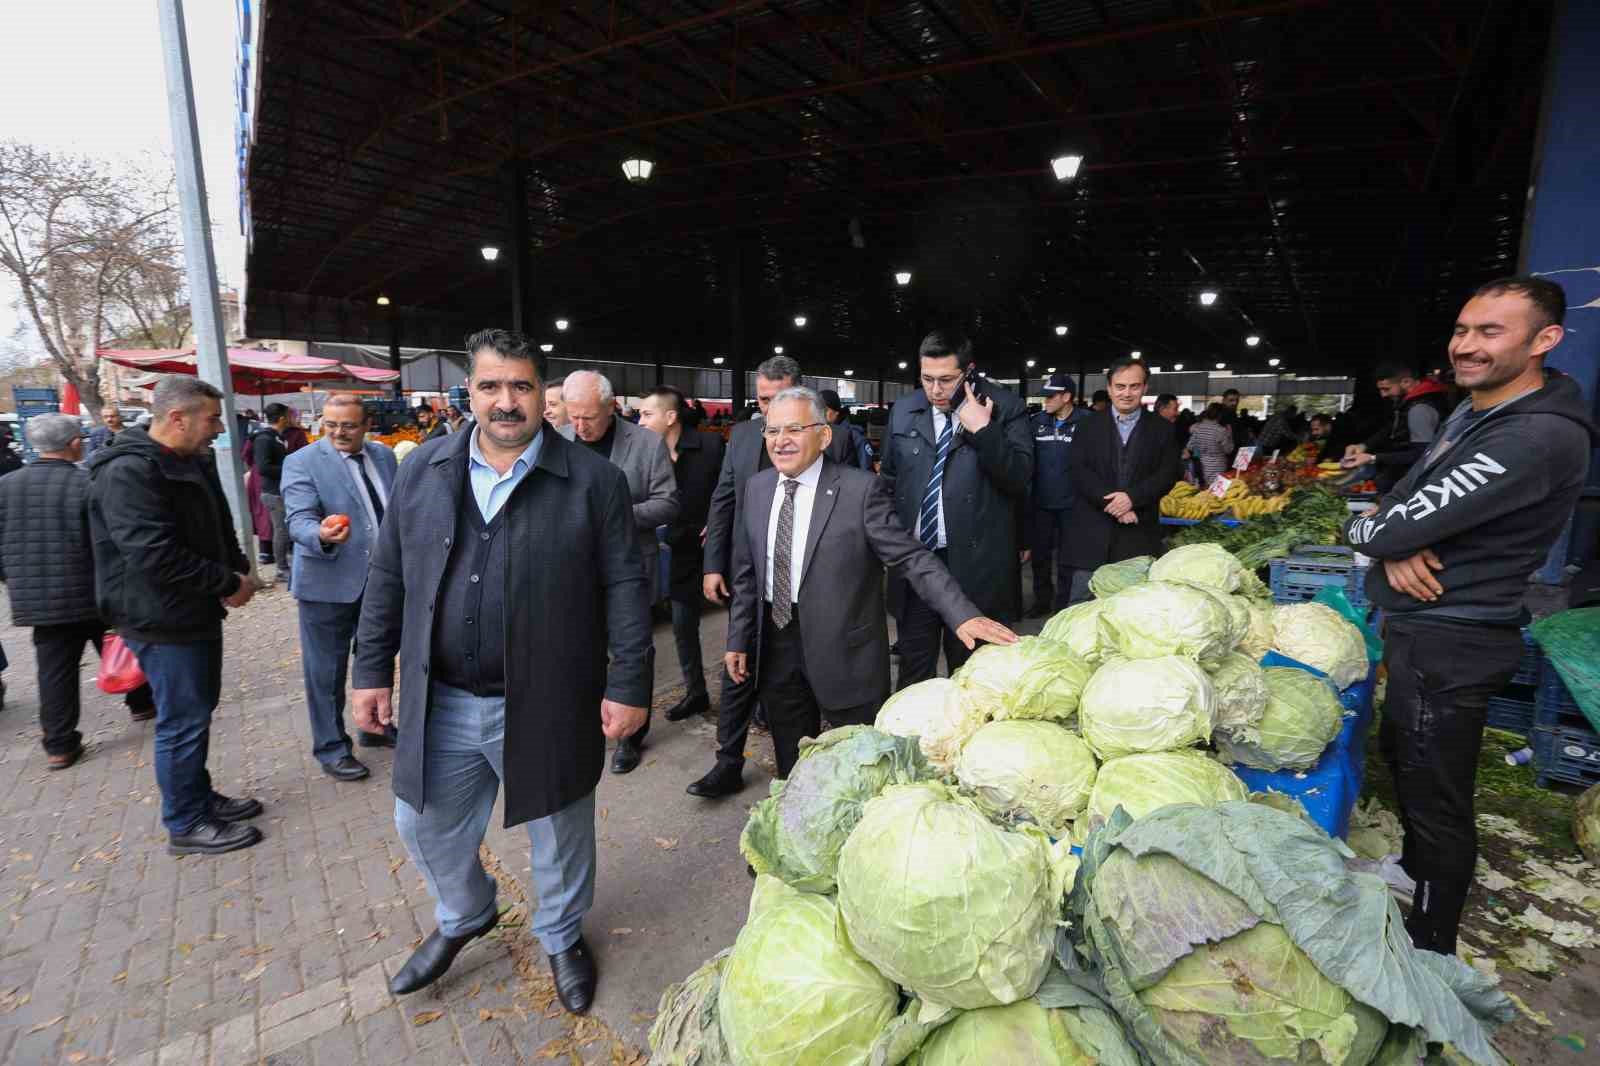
(1458, 536)
(1419, 407)
(1050, 498)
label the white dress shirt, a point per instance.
(939, 420)
(353, 468)
(804, 497)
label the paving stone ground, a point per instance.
(112, 951)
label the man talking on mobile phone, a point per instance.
(958, 456)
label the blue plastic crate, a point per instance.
(1513, 716)
(1570, 755)
(33, 395)
(1312, 568)
(1554, 707)
(1528, 670)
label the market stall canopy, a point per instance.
(254, 372)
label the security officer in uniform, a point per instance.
(1050, 499)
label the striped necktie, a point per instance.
(929, 525)
(783, 558)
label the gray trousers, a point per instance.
(327, 631)
(282, 546)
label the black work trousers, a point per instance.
(1441, 675)
(59, 651)
(792, 709)
(921, 635)
(1048, 534)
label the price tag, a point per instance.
(1242, 460)
(1219, 486)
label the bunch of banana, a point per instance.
(1182, 489)
(1252, 506)
(1329, 469)
(1192, 505)
(1237, 490)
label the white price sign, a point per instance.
(1242, 460)
(1219, 486)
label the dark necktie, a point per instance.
(782, 558)
(372, 490)
(929, 523)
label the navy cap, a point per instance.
(830, 400)
(1059, 383)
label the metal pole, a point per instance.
(394, 354)
(516, 208)
(211, 341)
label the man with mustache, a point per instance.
(507, 580)
(1458, 536)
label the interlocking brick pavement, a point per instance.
(113, 951)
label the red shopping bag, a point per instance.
(119, 667)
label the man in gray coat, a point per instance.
(821, 649)
(642, 456)
(335, 493)
(507, 580)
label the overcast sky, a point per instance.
(87, 76)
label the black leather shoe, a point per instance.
(688, 707)
(348, 768)
(213, 838)
(374, 740)
(432, 958)
(575, 977)
(722, 781)
(142, 714)
(224, 809)
(626, 758)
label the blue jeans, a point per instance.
(326, 633)
(186, 680)
(462, 770)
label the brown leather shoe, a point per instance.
(61, 762)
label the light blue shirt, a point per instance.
(1125, 423)
(489, 487)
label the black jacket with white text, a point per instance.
(1490, 504)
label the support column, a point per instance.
(736, 323)
(394, 351)
(514, 180)
(211, 341)
(1561, 231)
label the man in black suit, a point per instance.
(696, 462)
(507, 580)
(823, 648)
(1123, 461)
(745, 457)
(959, 462)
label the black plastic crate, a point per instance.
(1312, 568)
(1570, 755)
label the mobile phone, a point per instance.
(968, 378)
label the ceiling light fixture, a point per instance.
(1135, 354)
(1030, 364)
(716, 360)
(1251, 341)
(383, 301)
(777, 349)
(1177, 366)
(1066, 166)
(1061, 331)
(562, 324)
(799, 321)
(902, 364)
(489, 252)
(547, 347)
(902, 277)
(1049, 370)
(1222, 366)
(849, 373)
(1208, 297)
(638, 170)
(1274, 361)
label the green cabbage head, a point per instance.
(1021, 1032)
(1160, 618)
(1078, 627)
(1586, 824)
(1258, 641)
(933, 712)
(1035, 771)
(687, 1031)
(1207, 565)
(1241, 690)
(1112, 578)
(959, 911)
(1319, 636)
(1033, 678)
(1134, 705)
(1143, 783)
(794, 990)
(1302, 717)
(796, 833)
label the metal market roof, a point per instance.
(1340, 172)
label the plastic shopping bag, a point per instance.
(119, 667)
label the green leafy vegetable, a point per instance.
(1241, 690)
(1319, 636)
(687, 1031)
(933, 712)
(1033, 678)
(1147, 782)
(1079, 628)
(1133, 705)
(1028, 770)
(1161, 618)
(1302, 716)
(1112, 578)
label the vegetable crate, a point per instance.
(1554, 707)
(1312, 568)
(1513, 707)
(1570, 755)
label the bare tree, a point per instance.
(94, 254)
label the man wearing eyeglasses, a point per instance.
(335, 493)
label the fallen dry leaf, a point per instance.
(77, 1056)
(666, 843)
(42, 1026)
(624, 931)
(426, 1017)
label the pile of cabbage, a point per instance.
(919, 897)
